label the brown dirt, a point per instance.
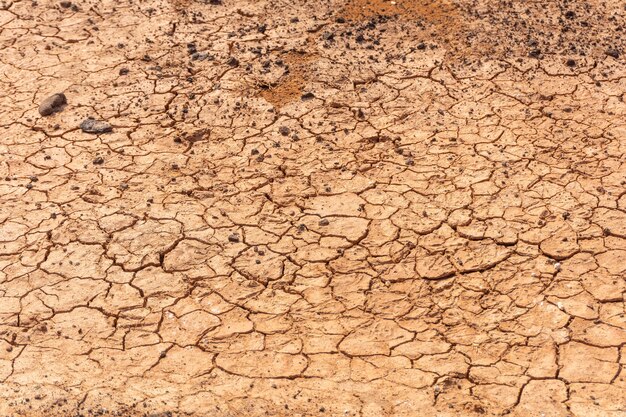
(290, 87)
(306, 207)
(432, 11)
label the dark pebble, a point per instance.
(52, 104)
(613, 53)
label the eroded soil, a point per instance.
(307, 207)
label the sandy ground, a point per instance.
(312, 207)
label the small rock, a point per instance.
(52, 104)
(284, 130)
(324, 222)
(234, 238)
(307, 96)
(613, 53)
(91, 125)
(98, 161)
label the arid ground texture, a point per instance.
(278, 208)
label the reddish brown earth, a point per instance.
(306, 208)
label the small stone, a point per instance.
(307, 96)
(233, 62)
(52, 104)
(98, 161)
(570, 63)
(124, 71)
(324, 222)
(234, 238)
(284, 130)
(91, 125)
(613, 53)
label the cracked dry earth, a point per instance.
(320, 207)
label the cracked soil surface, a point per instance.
(312, 207)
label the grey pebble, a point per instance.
(91, 125)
